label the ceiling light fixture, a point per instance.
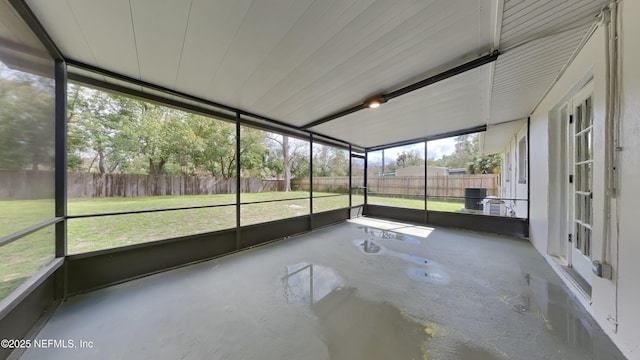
(375, 102)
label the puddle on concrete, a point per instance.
(353, 328)
(429, 275)
(432, 273)
(465, 351)
(389, 235)
(308, 283)
(369, 246)
(561, 314)
(414, 259)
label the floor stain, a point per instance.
(519, 308)
(470, 352)
(354, 328)
(388, 235)
(429, 331)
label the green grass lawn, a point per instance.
(94, 233)
(16, 215)
(435, 205)
(24, 257)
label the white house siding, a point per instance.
(521, 188)
(546, 234)
(629, 190)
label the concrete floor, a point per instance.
(350, 291)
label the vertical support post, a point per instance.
(61, 156)
(60, 77)
(350, 178)
(366, 180)
(528, 173)
(311, 179)
(238, 184)
(426, 188)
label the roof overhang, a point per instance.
(497, 137)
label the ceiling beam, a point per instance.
(410, 88)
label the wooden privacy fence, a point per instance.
(443, 185)
(39, 184)
(27, 184)
(30, 184)
(453, 186)
(339, 184)
(110, 185)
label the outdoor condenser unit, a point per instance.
(494, 206)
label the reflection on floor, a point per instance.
(350, 291)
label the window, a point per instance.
(506, 169)
(330, 178)
(273, 169)
(522, 161)
(27, 152)
(396, 176)
(158, 172)
(357, 180)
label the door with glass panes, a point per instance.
(580, 136)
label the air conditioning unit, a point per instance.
(494, 206)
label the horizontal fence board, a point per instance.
(129, 185)
(27, 184)
(437, 186)
(38, 184)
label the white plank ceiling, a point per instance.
(299, 60)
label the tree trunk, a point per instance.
(161, 165)
(231, 168)
(152, 168)
(101, 162)
(287, 163)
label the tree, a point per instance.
(329, 161)
(488, 164)
(95, 122)
(212, 146)
(253, 153)
(467, 147)
(26, 120)
(467, 155)
(113, 133)
(409, 158)
(285, 153)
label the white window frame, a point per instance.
(522, 160)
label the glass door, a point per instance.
(581, 136)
